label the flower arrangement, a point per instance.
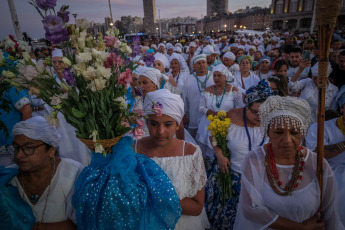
(219, 129)
(96, 76)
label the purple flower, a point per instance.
(46, 4)
(69, 77)
(127, 62)
(148, 59)
(64, 15)
(157, 105)
(55, 32)
(138, 91)
(135, 46)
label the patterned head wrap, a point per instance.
(261, 91)
(198, 58)
(249, 58)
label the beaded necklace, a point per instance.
(341, 124)
(218, 103)
(273, 175)
(202, 84)
(247, 131)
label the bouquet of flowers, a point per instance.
(219, 129)
(96, 76)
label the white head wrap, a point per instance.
(230, 55)
(192, 44)
(153, 74)
(172, 104)
(224, 70)
(162, 58)
(199, 57)
(161, 44)
(154, 46)
(180, 59)
(283, 110)
(37, 128)
(208, 50)
(315, 70)
(57, 53)
(169, 46)
(178, 44)
(137, 59)
(177, 49)
(256, 42)
(253, 48)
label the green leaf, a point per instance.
(78, 113)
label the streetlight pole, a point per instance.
(75, 19)
(111, 15)
(160, 25)
(15, 20)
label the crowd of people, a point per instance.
(266, 83)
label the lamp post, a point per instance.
(225, 26)
(75, 19)
(111, 15)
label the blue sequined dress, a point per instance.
(124, 190)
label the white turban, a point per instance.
(199, 57)
(161, 44)
(208, 50)
(163, 59)
(180, 59)
(153, 74)
(224, 70)
(177, 49)
(178, 44)
(253, 48)
(57, 53)
(153, 46)
(138, 59)
(172, 104)
(37, 128)
(230, 55)
(169, 46)
(192, 44)
(315, 70)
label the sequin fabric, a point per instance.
(125, 190)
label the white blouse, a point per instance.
(259, 206)
(248, 82)
(309, 92)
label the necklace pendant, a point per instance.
(203, 85)
(218, 105)
(33, 198)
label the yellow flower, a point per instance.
(210, 117)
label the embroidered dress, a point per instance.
(309, 92)
(244, 83)
(187, 174)
(262, 206)
(223, 216)
(332, 135)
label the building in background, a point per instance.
(217, 7)
(149, 16)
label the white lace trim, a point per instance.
(21, 102)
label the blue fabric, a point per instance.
(129, 98)
(14, 116)
(16, 214)
(163, 84)
(260, 91)
(125, 190)
(215, 63)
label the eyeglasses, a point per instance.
(28, 150)
(254, 112)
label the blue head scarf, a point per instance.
(258, 92)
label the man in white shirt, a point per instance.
(295, 59)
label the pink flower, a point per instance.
(158, 110)
(125, 124)
(139, 112)
(113, 60)
(125, 78)
(111, 41)
(138, 133)
(140, 123)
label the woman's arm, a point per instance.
(26, 112)
(193, 206)
(223, 162)
(65, 225)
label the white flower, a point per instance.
(66, 61)
(100, 83)
(100, 55)
(55, 100)
(89, 74)
(83, 57)
(125, 48)
(79, 68)
(83, 34)
(40, 67)
(122, 102)
(8, 74)
(52, 120)
(24, 46)
(214, 142)
(27, 57)
(81, 42)
(104, 72)
(99, 148)
(92, 86)
(9, 43)
(28, 72)
(83, 23)
(63, 95)
(94, 136)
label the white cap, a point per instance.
(57, 53)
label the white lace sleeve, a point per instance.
(202, 104)
(21, 102)
(238, 100)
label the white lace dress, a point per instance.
(208, 101)
(260, 206)
(188, 176)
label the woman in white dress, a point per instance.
(221, 96)
(228, 60)
(244, 134)
(334, 144)
(244, 79)
(264, 71)
(309, 91)
(180, 160)
(178, 69)
(280, 189)
(44, 181)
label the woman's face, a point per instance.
(285, 141)
(146, 84)
(161, 128)
(244, 65)
(227, 62)
(40, 156)
(253, 114)
(175, 65)
(264, 66)
(283, 70)
(158, 65)
(240, 53)
(219, 78)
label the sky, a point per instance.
(97, 10)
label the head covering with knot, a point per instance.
(230, 55)
(153, 74)
(171, 104)
(57, 53)
(253, 48)
(161, 44)
(315, 69)
(285, 111)
(258, 92)
(163, 59)
(197, 58)
(154, 46)
(208, 50)
(37, 128)
(180, 59)
(224, 70)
